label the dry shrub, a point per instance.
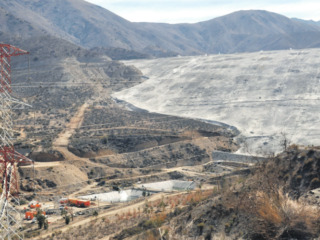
(274, 214)
(129, 214)
(270, 212)
(159, 219)
(193, 197)
(299, 215)
(294, 147)
(267, 209)
(280, 209)
(150, 236)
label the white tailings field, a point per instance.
(261, 94)
(169, 185)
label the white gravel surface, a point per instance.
(169, 185)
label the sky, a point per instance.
(191, 11)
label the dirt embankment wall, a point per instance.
(53, 156)
(220, 156)
(180, 163)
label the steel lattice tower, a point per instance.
(10, 217)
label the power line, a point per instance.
(71, 85)
(19, 84)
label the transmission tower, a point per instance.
(10, 216)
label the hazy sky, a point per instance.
(190, 11)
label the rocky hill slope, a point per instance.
(278, 200)
(311, 22)
(17, 27)
(121, 53)
(65, 78)
(58, 64)
(62, 77)
(236, 215)
(90, 26)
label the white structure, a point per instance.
(169, 185)
(115, 196)
(128, 195)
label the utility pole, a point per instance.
(34, 123)
(34, 180)
(10, 216)
(28, 67)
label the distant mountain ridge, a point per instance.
(310, 22)
(91, 26)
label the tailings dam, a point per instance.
(262, 94)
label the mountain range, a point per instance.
(310, 22)
(90, 26)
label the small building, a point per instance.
(30, 215)
(79, 203)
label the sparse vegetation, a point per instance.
(40, 218)
(67, 219)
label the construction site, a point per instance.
(120, 130)
(71, 155)
(78, 163)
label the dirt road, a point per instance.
(42, 164)
(113, 212)
(22, 133)
(61, 143)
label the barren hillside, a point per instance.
(151, 143)
(74, 123)
(91, 26)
